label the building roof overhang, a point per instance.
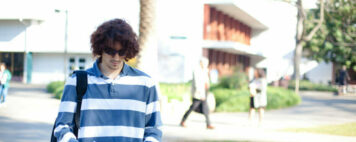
(231, 8)
(234, 48)
(21, 13)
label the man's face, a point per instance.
(344, 67)
(113, 58)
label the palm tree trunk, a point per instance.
(147, 58)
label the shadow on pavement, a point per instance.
(23, 88)
(341, 104)
(17, 131)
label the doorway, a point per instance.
(15, 63)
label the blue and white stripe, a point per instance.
(122, 109)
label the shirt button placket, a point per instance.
(112, 90)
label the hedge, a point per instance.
(172, 91)
(175, 91)
(307, 85)
(231, 100)
(51, 87)
(227, 100)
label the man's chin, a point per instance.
(115, 67)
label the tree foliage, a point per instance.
(336, 40)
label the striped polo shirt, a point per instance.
(124, 109)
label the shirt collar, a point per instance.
(98, 73)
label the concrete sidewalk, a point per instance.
(316, 109)
(30, 113)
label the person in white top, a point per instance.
(258, 94)
(200, 88)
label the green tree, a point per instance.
(336, 40)
(304, 34)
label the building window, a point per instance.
(76, 63)
(72, 60)
(81, 63)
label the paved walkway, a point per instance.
(30, 112)
(316, 109)
(28, 115)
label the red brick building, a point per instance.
(227, 34)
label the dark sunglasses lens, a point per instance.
(112, 52)
(109, 51)
(121, 53)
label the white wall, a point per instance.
(12, 35)
(277, 43)
(180, 34)
(85, 18)
(47, 67)
(48, 35)
(44, 34)
(322, 73)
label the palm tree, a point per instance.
(147, 59)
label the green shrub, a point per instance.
(58, 92)
(51, 87)
(238, 80)
(175, 91)
(307, 85)
(232, 100)
(172, 91)
(280, 98)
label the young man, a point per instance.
(5, 77)
(121, 103)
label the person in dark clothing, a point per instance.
(342, 80)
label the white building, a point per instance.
(187, 32)
(256, 33)
(43, 41)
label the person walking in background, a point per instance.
(258, 94)
(5, 78)
(342, 80)
(200, 88)
(121, 103)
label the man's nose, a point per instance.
(116, 56)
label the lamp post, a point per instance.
(65, 41)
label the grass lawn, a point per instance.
(347, 129)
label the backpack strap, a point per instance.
(81, 88)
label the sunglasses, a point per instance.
(113, 52)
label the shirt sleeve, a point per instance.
(4, 78)
(252, 88)
(64, 123)
(264, 85)
(153, 122)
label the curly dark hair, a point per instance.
(116, 30)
